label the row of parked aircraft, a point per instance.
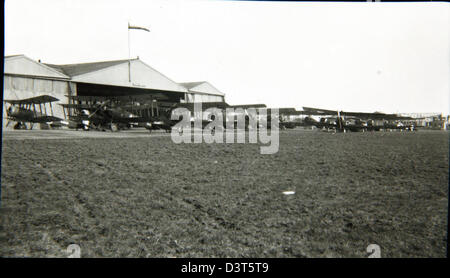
(123, 112)
(342, 121)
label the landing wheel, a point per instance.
(20, 125)
(114, 127)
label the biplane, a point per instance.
(166, 123)
(231, 113)
(122, 112)
(356, 121)
(24, 111)
(284, 118)
(111, 112)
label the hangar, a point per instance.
(202, 92)
(25, 78)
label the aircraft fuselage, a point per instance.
(20, 114)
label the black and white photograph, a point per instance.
(225, 129)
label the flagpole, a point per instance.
(128, 40)
(129, 55)
(129, 64)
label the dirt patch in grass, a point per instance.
(149, 197)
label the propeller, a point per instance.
(100, 107)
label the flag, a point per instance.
(137, 28)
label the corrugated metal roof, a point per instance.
(78, 69)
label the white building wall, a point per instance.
(193, 97)
(207, 88)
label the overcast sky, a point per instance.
(389, 57)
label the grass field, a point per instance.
(149, 197)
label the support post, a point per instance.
(51, 108)
(151, 99)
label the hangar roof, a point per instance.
(117, 73)
(22, 65)
(77, 69)
(202, 87)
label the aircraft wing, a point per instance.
(137, 107)
(317, 111)
(290, 111)
(376, 115)
(132, 120)
(219, 105)
(33, 100)
(205, 105)
(361, 115)
(45, 119)
(79, 106)
(88, 98)
(130, 97)
(246, 106)
(79, 118)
